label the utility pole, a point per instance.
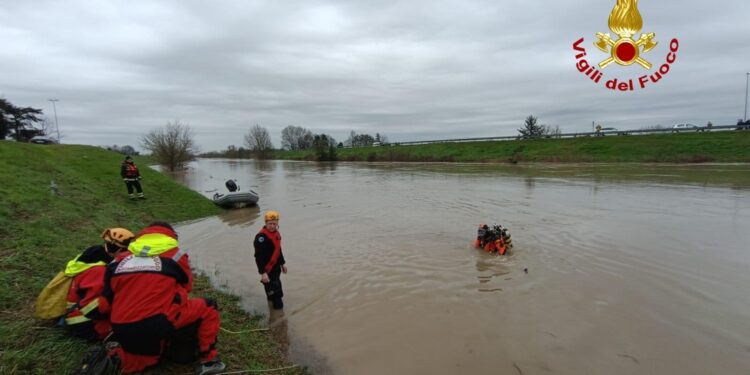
(54, 107)
(747, 79)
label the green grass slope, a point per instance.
(726, 146)
(40, 230)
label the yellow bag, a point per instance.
(52, 301)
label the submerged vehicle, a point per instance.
(495, 239)
(235, 198)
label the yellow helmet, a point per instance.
(118, 236)
(271, 215)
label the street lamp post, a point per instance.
(55, 110)
(747, 79)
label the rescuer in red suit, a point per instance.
(146, 294)
(87, 269)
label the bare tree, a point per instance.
(259, 142)
(296, 138)
(172, 146)
(349, 142)
(45, 126)
(552, 131)
(48, 127)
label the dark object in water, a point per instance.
(526, 270)
(495, 239)
(231, 186)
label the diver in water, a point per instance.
(493, 239)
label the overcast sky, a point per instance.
(411, 70)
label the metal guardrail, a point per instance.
(584, 134)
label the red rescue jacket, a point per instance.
(87, 270)
(154, 278)
(129, 170)
(268, 255)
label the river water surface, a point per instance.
(632, 269)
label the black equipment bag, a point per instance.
(97, 361)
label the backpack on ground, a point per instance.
(51, 303)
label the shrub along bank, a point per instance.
(725, 146)
(54, 202)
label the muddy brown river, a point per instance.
(632, 269)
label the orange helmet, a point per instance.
(271, 215)
(118, 236)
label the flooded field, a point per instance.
(632, 269)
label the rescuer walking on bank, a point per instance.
(132, 178)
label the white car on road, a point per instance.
(684, 127)
(42, 140)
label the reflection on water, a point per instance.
(616, 269)
(489, 268)
(241, 216)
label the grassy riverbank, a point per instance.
(40, 230)
(724, 147)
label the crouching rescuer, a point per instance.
(146, 294)
(82, 315)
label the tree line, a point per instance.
(257, 143)
(173, 145)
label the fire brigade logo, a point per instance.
(626, 22)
